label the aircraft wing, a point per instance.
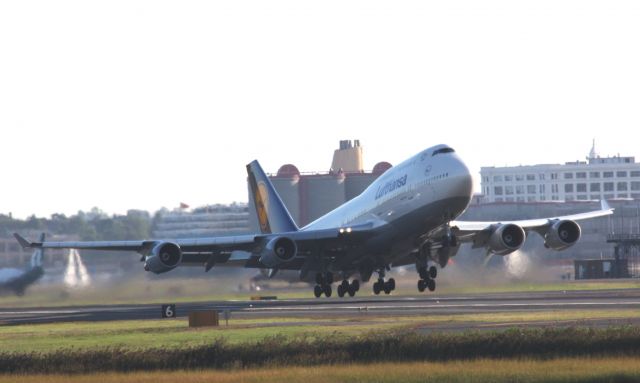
(473, 226)
(241, 250)
(479, 232)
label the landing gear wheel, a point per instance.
(422, 285)
(387, 288)
(351, 290)
(424, 274)
(327, 290)
(317, 291)
(355, 284)
(341, 291)
(433, 272)
(376, 288)
(431, 284)
(345, 284)
(392, 284)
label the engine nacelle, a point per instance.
(506, 239)
(164, 256)
(562, 234)
(278, 250)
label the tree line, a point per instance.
(94, 225)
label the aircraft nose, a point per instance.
(463, 181)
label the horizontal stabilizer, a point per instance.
(23, 242)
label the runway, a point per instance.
(419, 305)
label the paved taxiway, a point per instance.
(423, 305)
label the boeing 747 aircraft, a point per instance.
(407, 216)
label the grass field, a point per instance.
(202, 290)
(174, 333)
(619, 370)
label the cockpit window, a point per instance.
(443, 150)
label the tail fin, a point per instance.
(273, 216)
(36, 257)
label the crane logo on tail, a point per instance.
(262, 206)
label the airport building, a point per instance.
(596, 178)
(309, 195)
(206, 221)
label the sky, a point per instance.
(145, 104)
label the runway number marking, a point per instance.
(169, 311)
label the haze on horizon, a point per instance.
(144, 104)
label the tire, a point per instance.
(340, 291)
(355, 284)
(376, 288)
(387, 288)
(422, 285)
(431, 284)
(345, 284)
(392, 284)
(317, 291)
(351, 291)
(433, 272)
(423, 273)
(327, 291)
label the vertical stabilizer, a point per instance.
(273, 216)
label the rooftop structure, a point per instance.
(348, 158)
(310, 195)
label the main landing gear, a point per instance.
(348, 288)
(381, 285)
(427, 278)
(323, 285)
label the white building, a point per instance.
(594, 179)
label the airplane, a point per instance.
(405, 217)
(17, 280)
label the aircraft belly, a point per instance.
(401, 236)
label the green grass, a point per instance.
(137, 335)
(141, 291)
(173, 333)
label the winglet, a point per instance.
(22, 241)
(604, 205)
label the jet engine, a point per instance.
(164, 256)
(562, 234)
(278, 250)
(506, 239)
